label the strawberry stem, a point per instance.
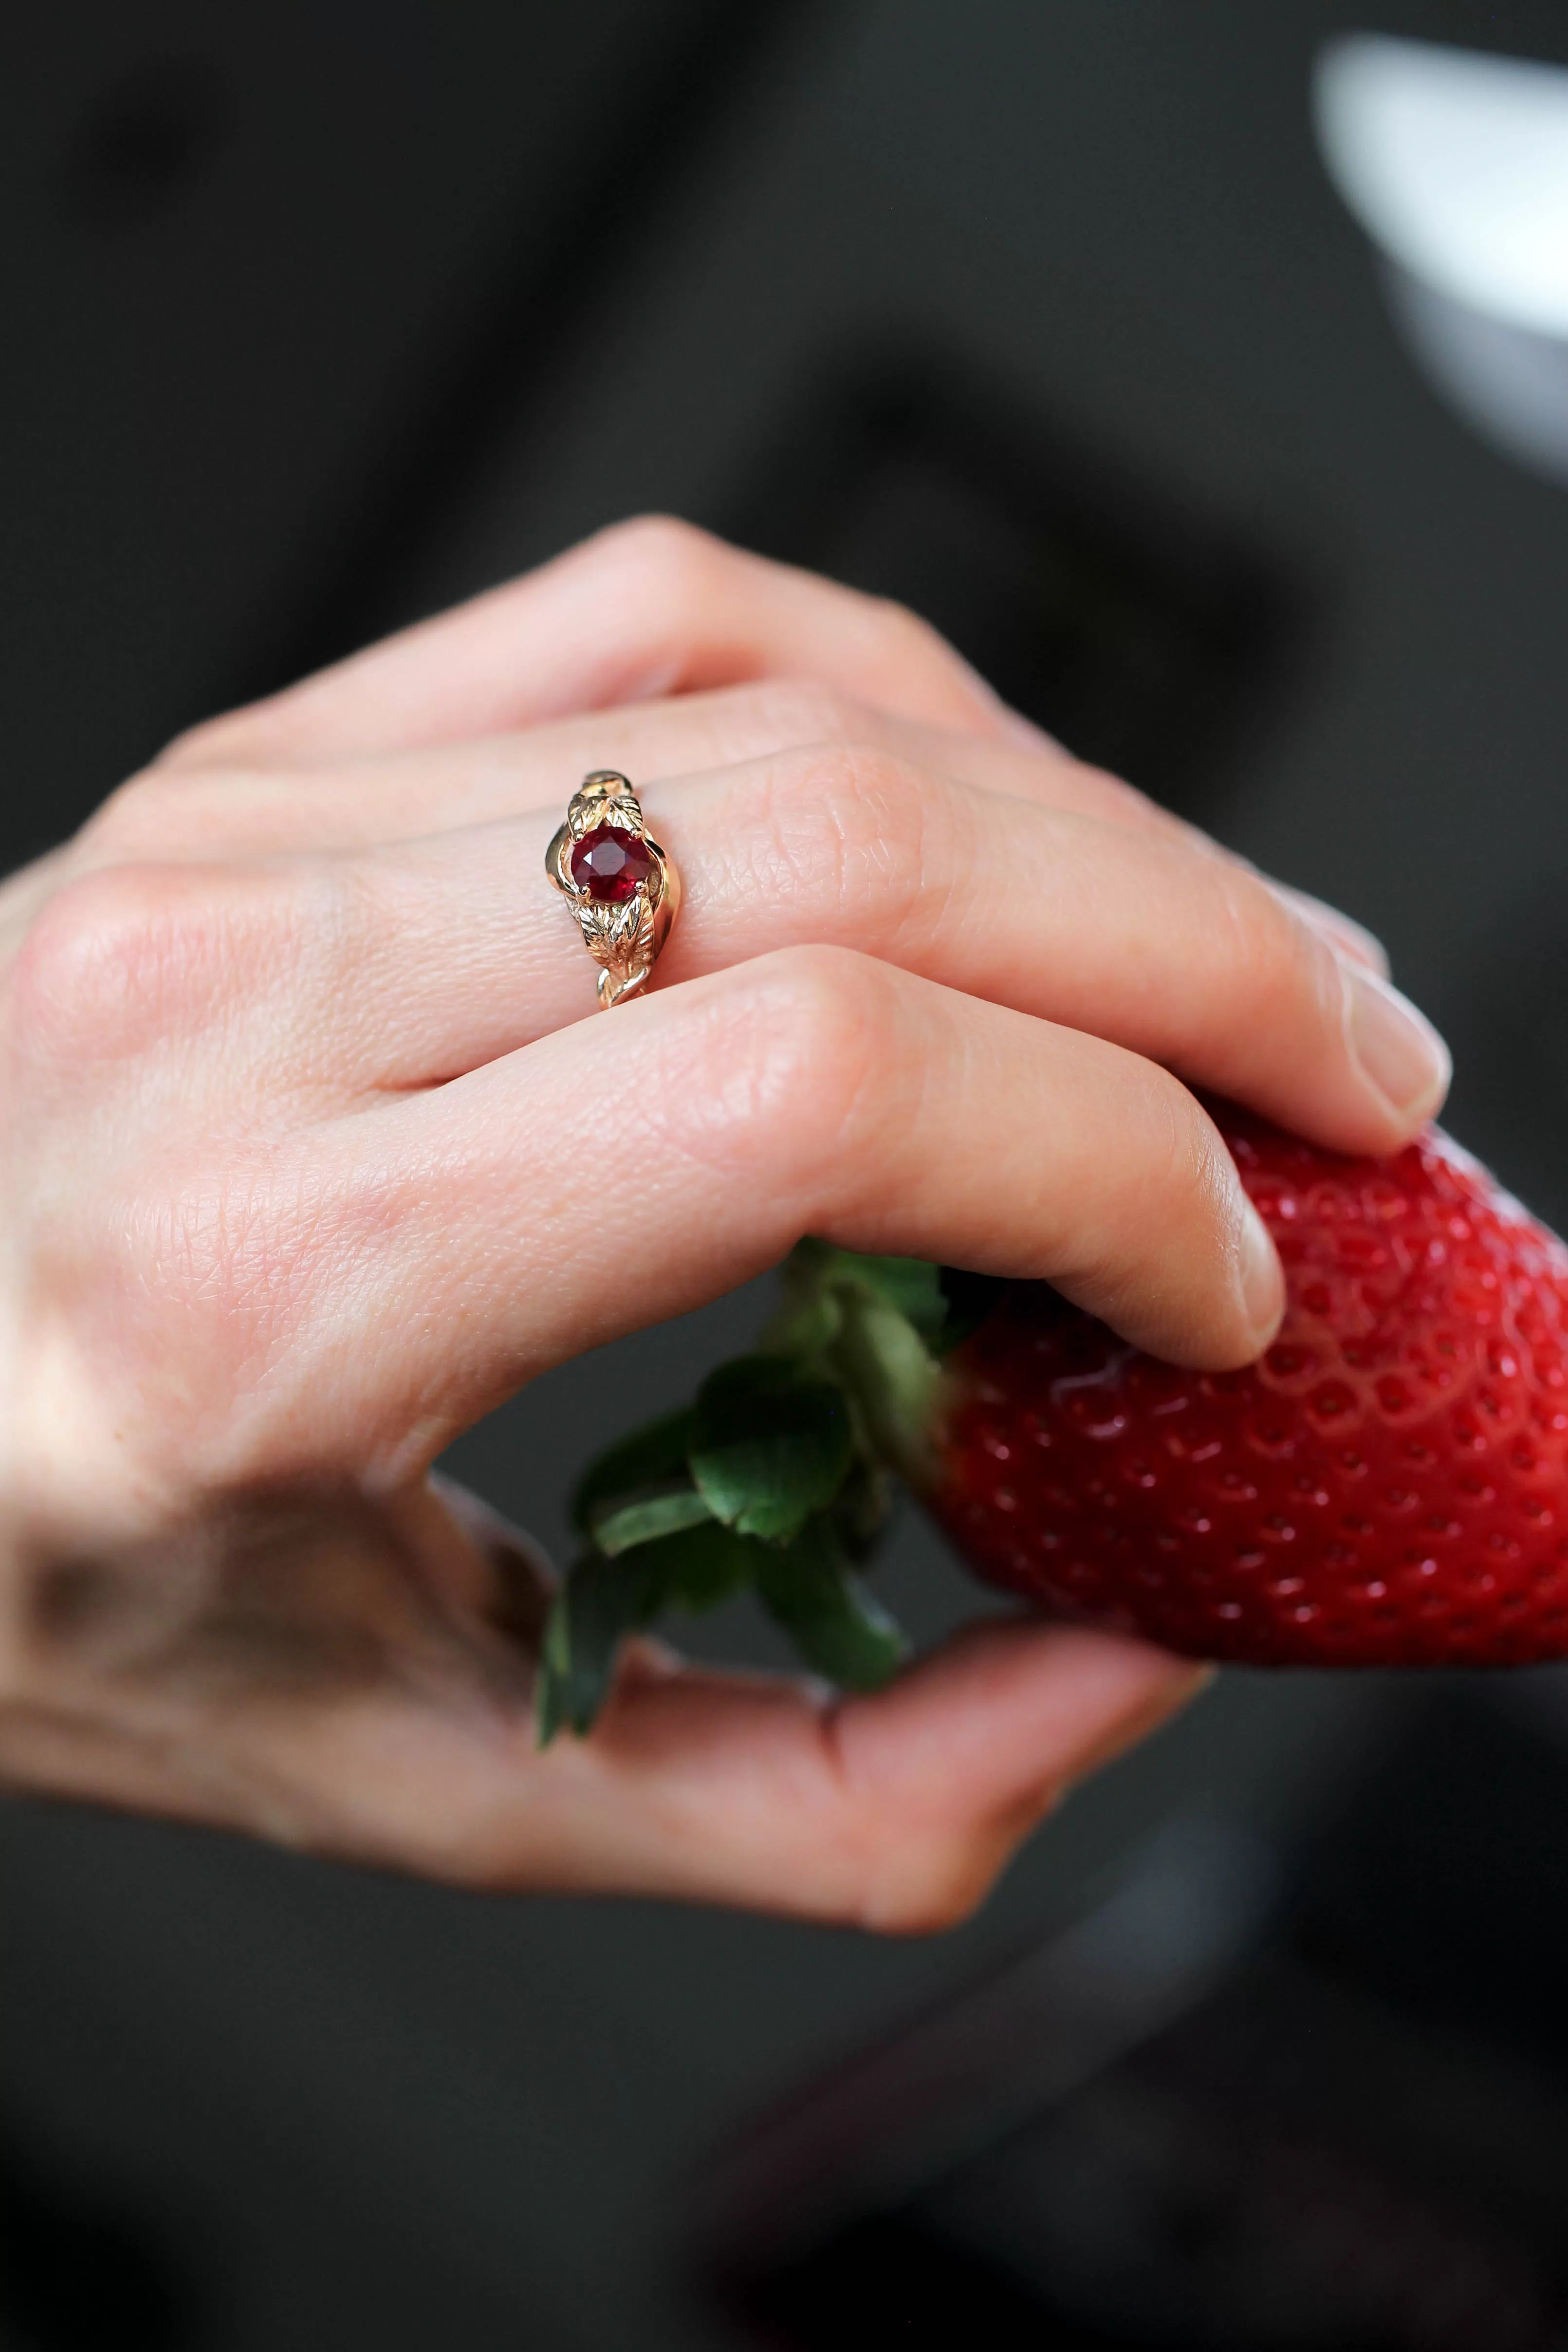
(778, 1478)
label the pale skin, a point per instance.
(313, 1137)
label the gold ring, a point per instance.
(622, 887)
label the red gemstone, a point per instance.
(609, 864)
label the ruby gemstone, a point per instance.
(609, 864)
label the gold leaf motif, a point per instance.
(624, 938)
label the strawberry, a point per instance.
(1387, 1486)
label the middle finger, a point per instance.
(219, 812)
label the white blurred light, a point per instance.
(1457, 166)
(1456, 163)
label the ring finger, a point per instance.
(409, 963)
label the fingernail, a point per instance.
(1342, 931)
(1397, 1047)
(1138, 1724)
(1262, 1276)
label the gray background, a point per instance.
(404, 300)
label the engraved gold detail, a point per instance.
(623, 937)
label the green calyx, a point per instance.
(776, 1478)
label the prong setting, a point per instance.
(625, 898)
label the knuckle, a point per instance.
(673, 558)
(811, 1018)
(227, 738)
(119, 957)
(927, 1894)
(822, 989)
(908, 637)
(850, 824)
(145, 814)
(94, 960)
(191, 747)
(893, 1883)
(835, 1011)
(777, 1078)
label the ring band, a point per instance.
(620, 885)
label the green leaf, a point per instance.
(861, 1509)
(839, 1630)
(807, 1320)
(600, 1600)
(816, 1271)
(698, 1566)
(907, 1286)
(603, 1599)
(650, 1456)
(896, 1379)
(769, 1447)
(641, 1523)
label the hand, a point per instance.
(316, 1149)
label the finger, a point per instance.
(1143, 935)
(176, 809)
(23, 893)
(649, 608)
(305, 1693)
(426, 958)
(207, 814)
(1342, 930)
(894, 1812)
(382, 1279)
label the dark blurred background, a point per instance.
(1044, 316)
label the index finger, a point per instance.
(648, 608)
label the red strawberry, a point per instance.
(1388, 1487)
